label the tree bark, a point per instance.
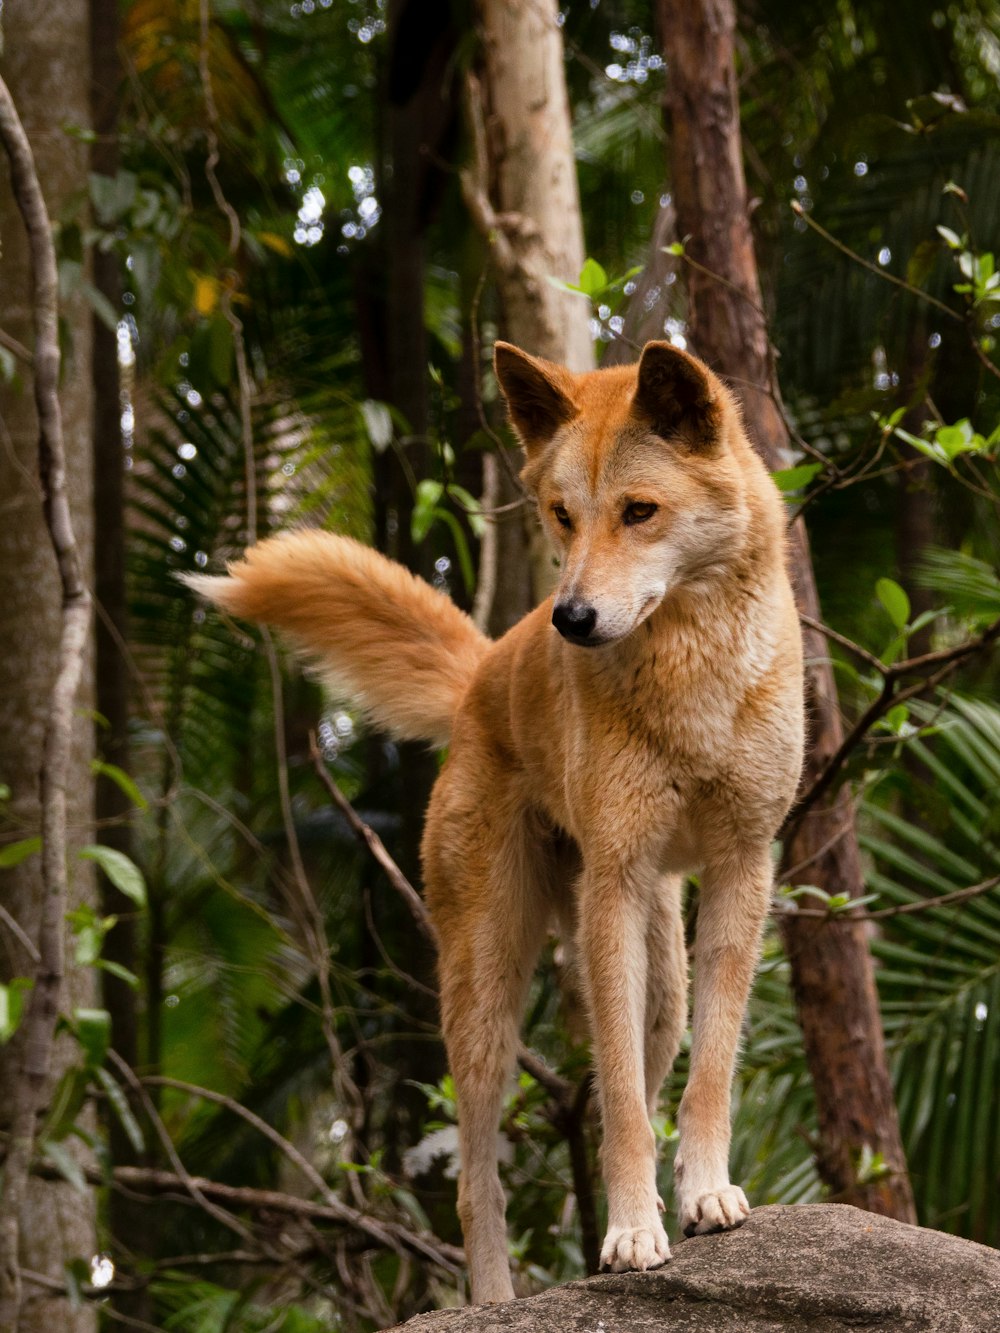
(832, 973)
(523, 196)
(46, 67)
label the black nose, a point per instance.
(573, 620)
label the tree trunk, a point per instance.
(45, 65)
(522, 193)
(832, 973)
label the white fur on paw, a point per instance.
(721, 1210)
(635, 1249)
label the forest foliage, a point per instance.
(278, 979)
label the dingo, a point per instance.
(644, 722)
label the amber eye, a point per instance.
(638, 512)
(561, 516)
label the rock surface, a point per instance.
(814, 1268)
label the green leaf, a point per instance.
(378, 424)
(117, 970)
(89, 942)
(806, 891)
(950, 238)
(120, 869)
(121, 780)
(92, 1029)
(471, 507)
(12, 998)
(957, 439)
(929, 448)
(66, 1164)
(68, 1098)
(795, 478)
(113, 196)
(593, 278)
(425, 508)
(565, 286)
(16, 852)
(895, 601)
(897, 717)
(119, 1104)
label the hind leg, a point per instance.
(490, 911)
(666, 987)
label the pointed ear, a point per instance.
(537, 394)
(678, 396)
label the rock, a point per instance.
(813, 1268)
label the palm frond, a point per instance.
(939, 973)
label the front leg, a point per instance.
(614, 919)
(733, 905)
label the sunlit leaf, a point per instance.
(16, 852)
(795, 478)
(120, 869)
(895, 601)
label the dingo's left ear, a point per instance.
(678, 396)
(537, 394)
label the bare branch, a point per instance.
(196, 1189)
(947, 660)
(850, 916)
(374, 844)
(844, 642)
(800, 212)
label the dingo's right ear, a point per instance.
(537, 394)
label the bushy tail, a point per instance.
(384, 638)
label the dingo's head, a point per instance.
(643, 477)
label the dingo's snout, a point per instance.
(576, 621)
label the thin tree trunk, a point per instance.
(649, 305)
(832, 973)
(523, 196)
(45, 65)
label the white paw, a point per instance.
(719, 1210)
(635, 1249)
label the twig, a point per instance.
(17, 930)
(901, 909)
(17, 348)
(184, 1176)
(244, 1113)
(800, 212)
(946, 660)
(304, 905)
(212, 130)
(38, 1028)
(724, 282)
(844, 642)
(570, 1119)
(386, 1235)
(370, 839)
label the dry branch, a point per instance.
(929, 668)
(192, 1189)
(32, 1080)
